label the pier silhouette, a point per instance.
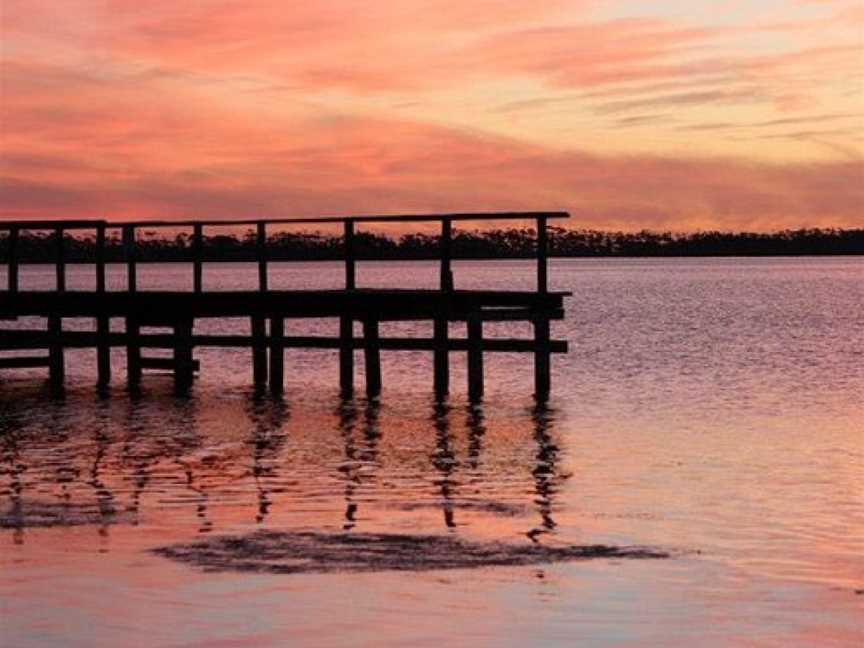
(267, 310)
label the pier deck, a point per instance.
(178, 310)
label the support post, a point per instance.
(350, 267)
(372, 353)
(183, 361)
(346, 355)
(277, 354)
(197, 254)
(56, 360)
(259, 350)
(129, 251)
(133, 351)
(542, 255)
(261, 251)
(12, 276)
(475, 356)
(103, 348)
(441, 356)
(542, 357)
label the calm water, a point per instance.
(710, 409)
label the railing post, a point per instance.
(60, 261)
(261, 250)
(197, 252)
(542, 255)
(129, 253)
(12, 276)
(103, 347)
(350, 269)
(446, 242)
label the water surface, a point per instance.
(709, 409)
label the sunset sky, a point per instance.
(743, 114)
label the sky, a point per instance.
(676, 115)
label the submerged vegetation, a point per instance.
(498, 243)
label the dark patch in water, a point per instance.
(503, 509)
(321, 553)
(43, 515)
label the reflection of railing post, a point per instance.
(103, 347)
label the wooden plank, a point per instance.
(360, 218)
(22, 340)
(24, 362)
(277, 355)
(372, 355)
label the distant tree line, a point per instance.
(498, 243)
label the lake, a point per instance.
(709, 411)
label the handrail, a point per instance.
(128, 229)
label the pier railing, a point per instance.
(177, 310)
(348, 223)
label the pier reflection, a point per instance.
(218, 462)
(545, 470)
(361, 461)
(268, 416)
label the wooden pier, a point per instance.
(177, 311)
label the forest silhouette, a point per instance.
(514, 243)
